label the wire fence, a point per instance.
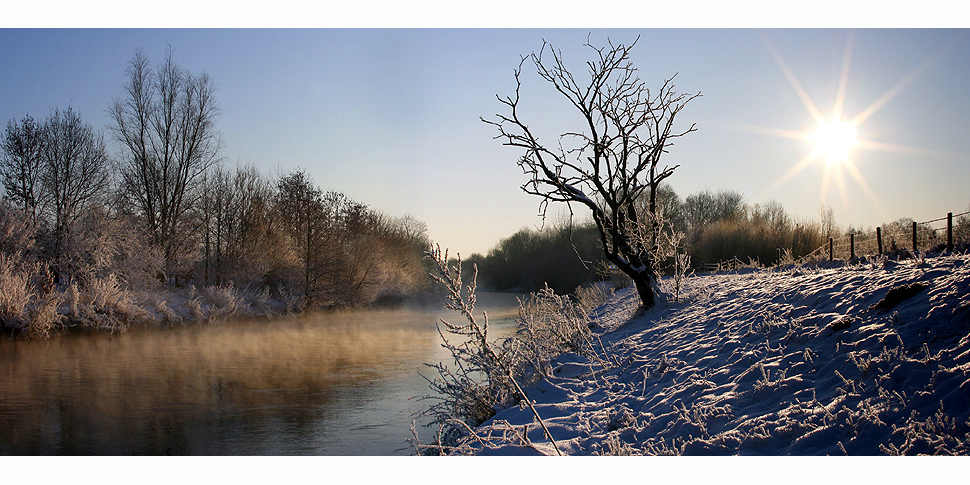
(944, 233)
(935, 235)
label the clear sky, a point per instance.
(390, 117)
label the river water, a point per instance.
(324, 384)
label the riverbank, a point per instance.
(840, 359)
(105, 305)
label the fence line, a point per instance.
(732, 264)
(922, 236)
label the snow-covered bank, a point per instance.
(803, 361)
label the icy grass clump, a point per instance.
(802, 361)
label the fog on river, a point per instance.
(332, 384)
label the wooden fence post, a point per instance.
(949, 231)
(915, 247)
(830, 249)
(851, 246)
(879, 239)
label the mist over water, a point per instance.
(330, 384)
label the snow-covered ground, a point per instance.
(796, 361)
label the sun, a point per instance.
(834, 140)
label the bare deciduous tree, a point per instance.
(21, 165)
(75, 170)
(307, 218)
(165, 120)
(240, 241)
(613, 157)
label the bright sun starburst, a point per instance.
(835, 140)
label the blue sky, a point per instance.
(390, 117)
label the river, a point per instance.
(322, 384)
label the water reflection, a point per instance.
(324, 384)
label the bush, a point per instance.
(550, 325)
(15, 293)
(488, 375)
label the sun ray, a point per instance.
(761, 130)
(798, 167)
(806, 100)
(893, 91)
(840, 184)
(870, 194)
(843, 77)
(906, 149)
(826, 179)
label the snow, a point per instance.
(794, 361)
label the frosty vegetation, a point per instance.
(160, 231)
(830, 358)
(489, 375)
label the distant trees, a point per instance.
(241, 239)
(564, 256)
(54, 171)
(305, 218)
(345, 253)
(611, 160)
(21, 164)
(705, 208)
(171, 212)
(165, 122)
(716, 226)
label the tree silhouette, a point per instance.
(611, 160)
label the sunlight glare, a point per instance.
(834, 139)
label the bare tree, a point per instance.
(705, 208)
(75, 170)
(21, 165)
(239, 237)
(613, 157)
(307, 219)
(165, 120)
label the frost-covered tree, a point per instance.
(165, 123)
(240, 236)
(612, 156)
(54, 171)
(306, 219)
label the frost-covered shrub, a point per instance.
(485, 374)
(168, 316)
(224, 301)
(591, 296)
(550, 325)
(16, 233)
(100, 247)
(43, 318)
(15, 292)
(479, 384)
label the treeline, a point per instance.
(163, 209)
(563, 255)
(708, 226)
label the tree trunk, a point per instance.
(642, 283)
